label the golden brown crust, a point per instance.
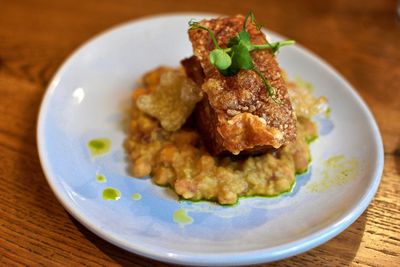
(266, 122)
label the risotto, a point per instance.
(165, 144)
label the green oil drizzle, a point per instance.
(99, 146)
(327, 113)
(101, 178)
(310, 139)
(182, 218)
(136, 196)
(111, 194)
(337, 170)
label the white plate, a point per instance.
(88, 98)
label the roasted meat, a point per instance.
(237, 115)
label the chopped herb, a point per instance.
(236, 56)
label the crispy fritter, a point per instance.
(172, 101)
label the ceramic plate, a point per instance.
(89, 98)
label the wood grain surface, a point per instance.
(360, 38)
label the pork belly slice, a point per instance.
(237, 115)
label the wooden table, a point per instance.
(361, 39)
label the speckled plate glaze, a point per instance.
(89, 98)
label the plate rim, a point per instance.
(216, 259)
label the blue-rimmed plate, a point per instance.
(89, 98)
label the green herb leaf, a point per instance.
(229, 71)
(233, 41)
(220, 59)
(241, 58)
(244, 39)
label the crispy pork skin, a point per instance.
(237, 114)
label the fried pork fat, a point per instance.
(237, 114)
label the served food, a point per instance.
(224, 125)
(240, 112)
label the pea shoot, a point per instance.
(236, 56)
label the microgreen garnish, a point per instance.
(236, 56)
(270, 89)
